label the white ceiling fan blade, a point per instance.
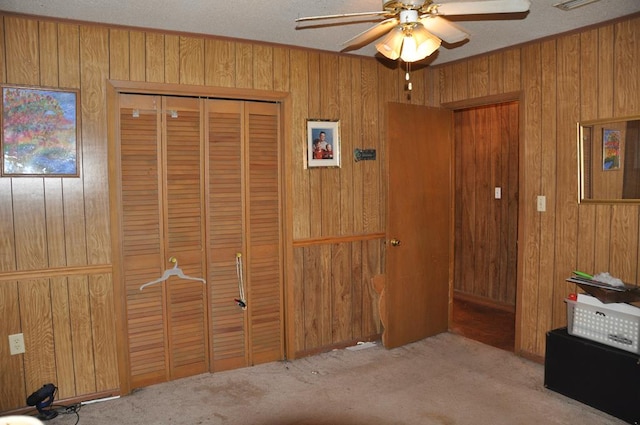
(481, 7)
(371, 34)
(444, 29)
(341, 15)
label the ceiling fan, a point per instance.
(416, 28)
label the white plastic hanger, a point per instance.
(175, 271)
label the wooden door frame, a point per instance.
(493, 100)
(114, 88)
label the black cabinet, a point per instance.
(600, 376)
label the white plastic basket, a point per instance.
(615, 324)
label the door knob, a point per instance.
(395, 242)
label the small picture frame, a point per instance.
(323, 143)
(611, 149)
(40, 132)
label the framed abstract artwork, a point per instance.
(611, 149)
(40, 132)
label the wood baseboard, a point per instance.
(462, 296)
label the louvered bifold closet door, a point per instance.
(187, 314)
(162, 218)
(141, 236)
(263, 229)
(244, 218)
(225, 233)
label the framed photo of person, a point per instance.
(323, 143)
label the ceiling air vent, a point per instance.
(572, 4)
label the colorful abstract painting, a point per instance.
(39, 132)
(611, 149)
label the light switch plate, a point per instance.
(542, 203)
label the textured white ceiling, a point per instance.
(273, 21)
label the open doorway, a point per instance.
(486, 223)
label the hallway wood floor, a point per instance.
(480, 322)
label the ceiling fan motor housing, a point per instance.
(408, 16)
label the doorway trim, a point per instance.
(493, 100)
(116, 87)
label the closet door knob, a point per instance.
(395, 242)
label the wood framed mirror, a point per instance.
(609, 160)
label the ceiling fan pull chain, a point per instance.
(407, 76)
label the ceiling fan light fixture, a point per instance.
(418, 44)
(391, 45)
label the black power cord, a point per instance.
(68, 410)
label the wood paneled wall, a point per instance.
(486, 240)
(591, 74)
(55, 245)
(55, 253)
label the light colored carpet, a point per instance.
(444, 380)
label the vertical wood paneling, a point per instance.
(137, 56)
(330, 178)
(341, 293)
(94, 54)
(548, 147)
(606, 67)
(299, 313)
(626, 73)
(297, 169)
(12, 391)
(358, 183)
(262, 67)
(61, 320)
(496, 73)
(530, 244)
(119, 63)
(357, 292)
(244, 65)
(30, 224)
(568, 111)
(3, 53)
(460, 81)
(314, 188)
(7, 229)
(312, 293)
(281, 70)
(103, 332)
(589, 110)
(512, 71)
(479, 77)
(624, 238)
(172, 59)
(56, 253)
(154, 58)
(486, 145)
(81, 337)
(219, 63)
(575, 77)
(37, 327)
(48, 49)
(347, 140)
(21, 45)
(69, 56)
(370, 129)
(191, 60)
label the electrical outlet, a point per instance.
(542, 203)
(16, 344)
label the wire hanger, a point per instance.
(175, 271)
